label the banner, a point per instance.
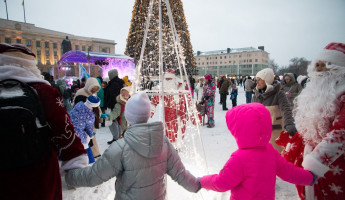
(83, 72)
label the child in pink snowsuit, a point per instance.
(251, 171)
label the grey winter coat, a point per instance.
(276, 102)
(140, 162)
(292, 88)
(249, 85)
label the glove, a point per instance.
(94, 133)
(105, 116)
(315, 177)
(199, 183)
(291, 129)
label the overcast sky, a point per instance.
(287, 28)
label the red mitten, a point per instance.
(293, 148)
(283, 139)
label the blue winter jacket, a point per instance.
(82, 119)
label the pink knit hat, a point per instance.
(208, 77)
(333, 53)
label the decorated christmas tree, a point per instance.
(151, 53)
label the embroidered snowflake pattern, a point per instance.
(326, 159)
(59, 102)
(335, 189)
(336, 170)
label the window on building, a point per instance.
(220, 57)
(47, 53)
(39, 59)
(207, 63)
(221, 62)
(249, 55)
(230, 61)
(47, 61)
(8, 40)
(224, 57)
(203, 63)
(55, 53)
(18, 41)
(216, 57)
(77, 47)
(54, 45)
(83, 48)
(38, 44)
(250, 60)
(256, 54)
(38, 52)
(256, 60)
(46, 44)
(234, 62)
(104, 50)
(240, 56)
(207, 58)
(28, 43)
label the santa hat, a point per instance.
(170, 73)
(138, 109)
(267, 75)
(92, 101)
(333, 53)
(17, 55)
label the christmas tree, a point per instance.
(150, 60)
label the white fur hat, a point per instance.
(300, 78)
(138, 109)
(333, 53)
(267, 75)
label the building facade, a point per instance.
(232, 62)
(46, 44)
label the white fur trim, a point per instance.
(169, 75)
(313, 165)
(75, 163)
(20, 74)
(333, 56)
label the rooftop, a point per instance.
(225, 51)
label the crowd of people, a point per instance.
(296, 131)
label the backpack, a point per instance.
(24, 130)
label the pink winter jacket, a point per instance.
(251, 171)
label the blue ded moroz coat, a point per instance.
(139, 161)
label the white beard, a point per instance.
(318, 104)
(170, 85)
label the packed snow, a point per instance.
(218, 145)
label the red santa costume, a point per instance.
(175, 110)
(320, 120)
(41, 180)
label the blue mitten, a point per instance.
(94, 133)
(315, 177)
(104, 116)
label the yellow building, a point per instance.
(232, 62)
(46, 44)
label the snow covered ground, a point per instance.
(218, 145)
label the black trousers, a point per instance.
(234, 102)
(223, 100)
